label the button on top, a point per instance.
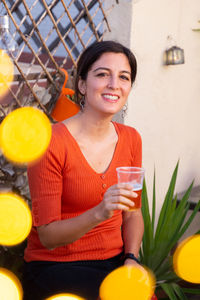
(103, 176)
(35, 211)
(36, 219)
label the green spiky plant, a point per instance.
(159, 241)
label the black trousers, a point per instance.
(42, 279)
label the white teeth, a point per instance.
(111, 97)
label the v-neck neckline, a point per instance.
(82, 156)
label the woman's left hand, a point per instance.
(131, 262)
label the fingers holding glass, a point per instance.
(132, 176)
(125, 199)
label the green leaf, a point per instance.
(169, 291)
(168, 277)
(167, 202)
(148, 232)
(167, 239)
(186, 195)
(191, 291)
(189, 221)
(178, 290)
(174, 227)
(154, 201)
(165, 267)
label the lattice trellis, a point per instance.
(51, 34)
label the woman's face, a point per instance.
(108, 83)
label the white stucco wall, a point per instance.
(164, 104)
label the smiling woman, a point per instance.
(107, 85)
(78, 207)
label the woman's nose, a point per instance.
(113, 82)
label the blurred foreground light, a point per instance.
(128, 283)
(65, 297)
(25, 134)
(10, 286)
(15, 220)
(6, 72)
(186, 259)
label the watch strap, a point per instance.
(131, 256)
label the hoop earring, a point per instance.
(82, 102)
(124, 110)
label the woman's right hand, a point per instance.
(118, 196)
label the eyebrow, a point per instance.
(107, 69)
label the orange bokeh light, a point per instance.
(10, 286)
(128, 282)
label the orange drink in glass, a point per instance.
(133, 176)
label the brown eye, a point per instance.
(101, 74)
(125, 77)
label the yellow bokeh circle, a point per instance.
(10, 286)
(15, 219)
(25, 134)
(6, 72)
(65, 297)
(128, 282)
(186, 259)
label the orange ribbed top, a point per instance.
(63, 185)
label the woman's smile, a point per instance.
(110, 97)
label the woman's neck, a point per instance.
(94, 126)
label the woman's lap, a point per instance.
(44, 279)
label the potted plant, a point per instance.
(159, 241)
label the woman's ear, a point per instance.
(82, 86)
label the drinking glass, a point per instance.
(134, 176)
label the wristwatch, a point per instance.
(131, 256)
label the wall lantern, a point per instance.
(174, 56)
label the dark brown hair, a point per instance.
(93, 53)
